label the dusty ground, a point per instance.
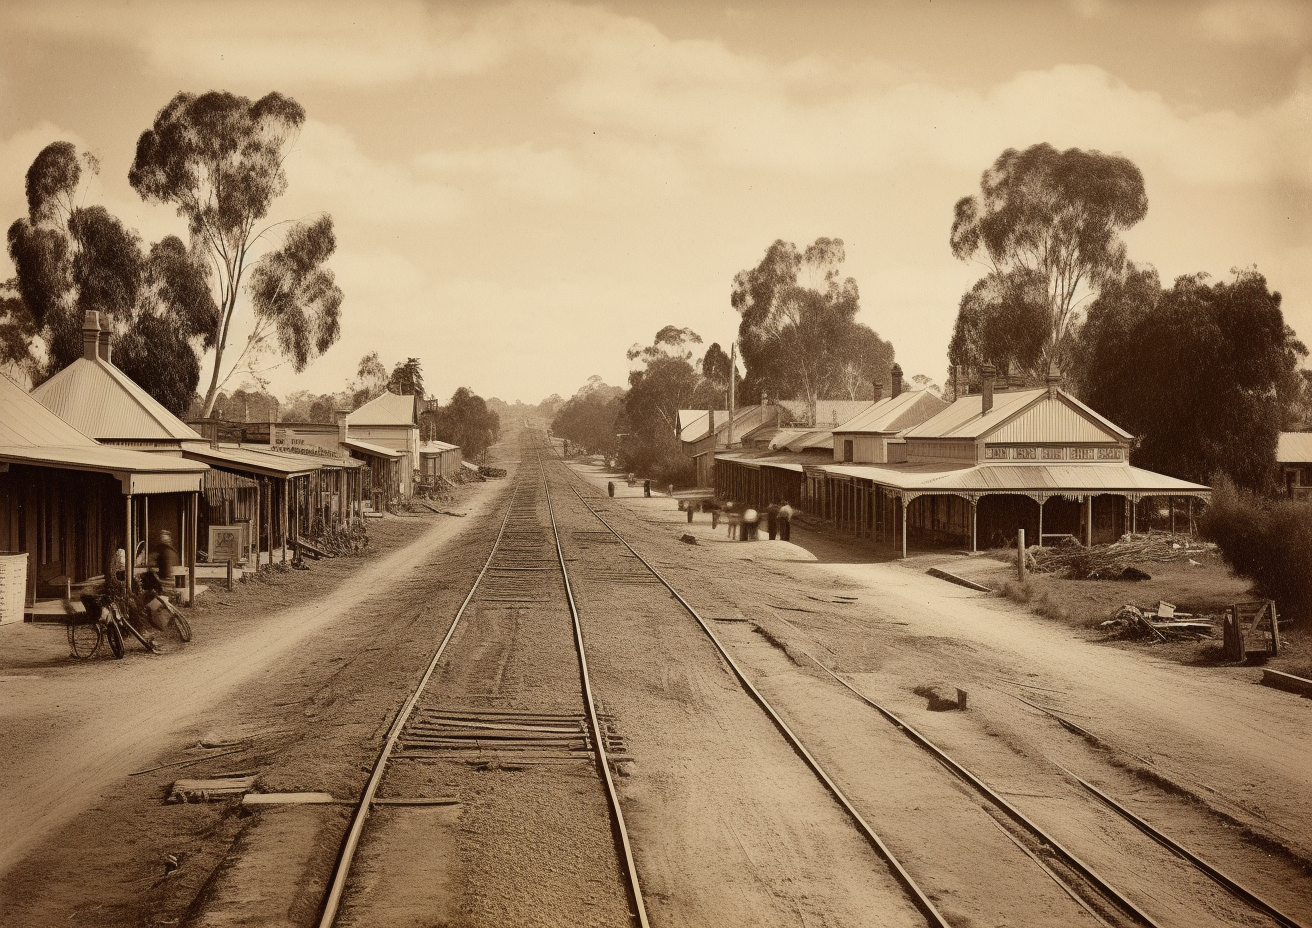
(728, 826)
(1201, 751)
(291, 677)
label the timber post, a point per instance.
(1020, 555)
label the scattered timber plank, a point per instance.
(210, 790)
(286, 799)
(959, 581)
(1287, 682)
(313, 549)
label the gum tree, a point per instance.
(218, 159)
(1048, 221)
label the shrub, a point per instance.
(1266, 541)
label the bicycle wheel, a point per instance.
(84, 639)
(145, 642)
(115, 639)
(180, 624)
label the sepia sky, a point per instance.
(521, 192)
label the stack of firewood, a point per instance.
(1111, 562)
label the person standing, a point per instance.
(646, 489)
(772, 519)
(785, 521)
(734, 518)
(751, 521)
(610, 488)
(715, 514)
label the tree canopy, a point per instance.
(71, 259)
(1202, 374)
(466, 421)
(1047, 225)
(407, 378)
(798, 332)
(218, 159)
(587, 419)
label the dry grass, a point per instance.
(1204, 590)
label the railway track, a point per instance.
(1121, 906)
(527, 567)
(525, 563)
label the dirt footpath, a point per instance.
(86, 840)
(1205, 753)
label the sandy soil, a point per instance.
(270, 663)
(1202, 752)
(728, 826)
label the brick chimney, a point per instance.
(340, 417)
(91, 335)
(897, 380)
(106, 346)
(987, 373)
(879, 390)
(1054, 379)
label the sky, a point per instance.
(521, 192)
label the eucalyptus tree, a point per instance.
(72, 258)
(1047, 225)
(798, 332)
(218, 159)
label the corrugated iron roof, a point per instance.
(963, 419)
(437, 447)
(251, 460)
(377, 451)
(104, 459)
(24, 421)
(388, 409)
(1294, 448)
(895, 413)
(1019, 478)
(780, 460)
(97, 398)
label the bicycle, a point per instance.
(101, 621)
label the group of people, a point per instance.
(744, 524)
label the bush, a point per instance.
(1265, 541)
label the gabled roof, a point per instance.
(828, 413)
(1294, 448)
(388, 409)
(693, 423)
(437, 447)
(97, 398)
(32, 434)
(964, 420)
(895, 413)
(25, 422)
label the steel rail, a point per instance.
(988, 793)
(920, 900)
(344, 860)
(599, 742)
(1228, 883)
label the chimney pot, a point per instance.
(1054, 379)
(897, 380)
(988, 373)
(90, 334)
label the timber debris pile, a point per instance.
(1119, 560)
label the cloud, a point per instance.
(328, 171)
(334, 43)
(1253, 22)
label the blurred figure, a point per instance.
(785, 521)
